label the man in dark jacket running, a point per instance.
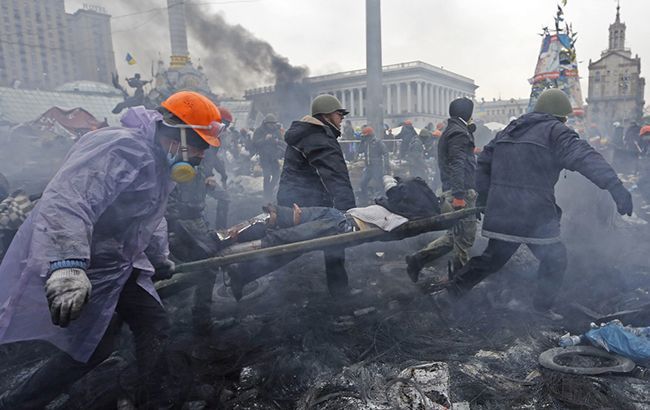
(315, 173)
(457, 163)
(517, 173)
(267, 143)
(375, 156)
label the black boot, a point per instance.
(414, 265)
(237, 281)
(337, 276)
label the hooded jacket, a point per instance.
(314, 171)
(105, 205)
(517, 173)
(456, 158)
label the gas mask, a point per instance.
(183, 169)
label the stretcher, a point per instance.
(189, 274)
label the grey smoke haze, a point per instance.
(232, 57)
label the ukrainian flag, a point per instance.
(130, 59)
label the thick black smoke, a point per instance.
(234, 59)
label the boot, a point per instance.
(236, 281)
(337, 275)
(414, 265)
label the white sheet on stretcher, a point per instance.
(378, 216)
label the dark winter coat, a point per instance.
(456, 158)
(411, 198)
(407, 135)
(517, 173)
(375, 154)
(270, 149)
(314, 171)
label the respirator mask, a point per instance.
(183, 168)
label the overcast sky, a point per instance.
(494, 42)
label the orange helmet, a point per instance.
(644, 130)
(197, 111)
(366, 131)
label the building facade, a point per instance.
(415, 90)
(500, 110)
(94, 59)
(616, 88)
(41, 46)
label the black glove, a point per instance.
(164, 270)
(623, 199)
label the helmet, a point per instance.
(226, 115)
(327, 104)
(367, 131)
(270, 118)
(644, 130)
(554, 102)
(195, 109)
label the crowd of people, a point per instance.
(129, 202)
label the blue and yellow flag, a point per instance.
(130, 59)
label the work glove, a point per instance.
(389, 182)
(458, 203)
(165, 270)
(623, 199)
(211, 182)
(67, 291)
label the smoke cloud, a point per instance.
(234, 59)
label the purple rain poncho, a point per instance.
(105, 205)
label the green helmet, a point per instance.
(327, 104)
(270, 118)
(554, 102)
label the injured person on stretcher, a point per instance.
(406, 199)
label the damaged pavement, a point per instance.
(288, 344)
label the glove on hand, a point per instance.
(164, 270)
(457, 203)
(623, 199)
(67, 291)
(389, 182)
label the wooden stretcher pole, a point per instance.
(191, 271)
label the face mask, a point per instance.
(182, 170)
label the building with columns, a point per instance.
(616, 88)
(415, 90)
(500, 110)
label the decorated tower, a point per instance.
(557, 65)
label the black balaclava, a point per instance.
(461, 107)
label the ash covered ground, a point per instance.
(289, 345)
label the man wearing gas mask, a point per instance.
(457, 163)
(83, 261)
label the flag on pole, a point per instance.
(130, 59)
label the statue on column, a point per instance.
(138, 97)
